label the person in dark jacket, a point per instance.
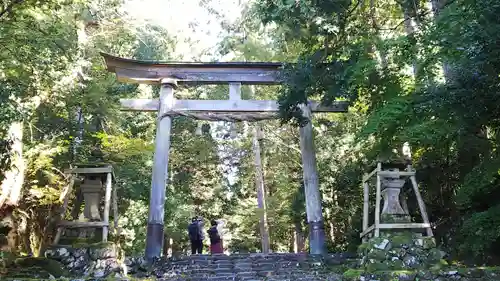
(195, 231)
(216, 246)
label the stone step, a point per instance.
(248, 267)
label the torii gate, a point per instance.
(168, 75)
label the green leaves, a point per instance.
(480, 232)
(447, 109)
(479, 183)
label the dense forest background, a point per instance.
(422, 72)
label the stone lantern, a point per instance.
(91, 189)
(392, 211)
(96, 192)
(390, 178)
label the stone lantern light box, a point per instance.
(91, 184)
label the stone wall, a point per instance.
(105, 262)
(401, 251)
(95, 260)
(460, 274)
(408, 256)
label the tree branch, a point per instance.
(417, 16)
(9, 7)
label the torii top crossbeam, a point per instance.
(151, 72)
(194, 73)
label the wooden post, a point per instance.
(64, 207)
(107, 203)
(235, 94)
(154, 236)
(378, 198)
(234, 91)
(366, 206)
(115, 211)
(311, 185)
(421, 205)
(261, 200)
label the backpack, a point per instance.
(194, 231)
(213, 234)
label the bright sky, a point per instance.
(187, 19)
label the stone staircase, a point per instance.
(249, 267)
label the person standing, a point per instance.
(195, 231)
(216, 245)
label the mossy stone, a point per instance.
(376, 266)
(6, 258)
(434, 256)
(377, 254)
(352, 274)
(397, 264)
(401, 239)
(375, 241)
(339, 269)
(363, 248)
(51, 266)
(416, 251)
(93, 245)
(492, 273)
(429, 242)
(474, 273)
(404, 275)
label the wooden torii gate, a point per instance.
(169, 75)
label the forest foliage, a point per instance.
(422, 72)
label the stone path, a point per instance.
(248, 267)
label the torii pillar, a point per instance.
(314, 209)
(154, 236)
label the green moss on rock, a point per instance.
(363, 248)
(401, 239)
(376, 266)
(94, 245)
(377, 254)
(397, 264)
(6, 258)
(352, 273)
(339, 269)
(50, 266)
(434, 256)
(429, 242)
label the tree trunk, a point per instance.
(437, 5)
(167, 245)
(380, 51)
(410, 25)
(291, 242)
(261, 194)
(299, 246)
(14, 178)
